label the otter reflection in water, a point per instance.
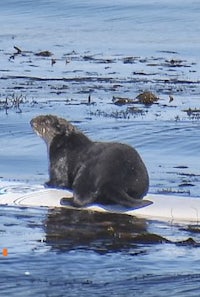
(103, 172)
(68, 229)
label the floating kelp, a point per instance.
(130, 60)
(122, 100)
(192, 111)
(44, 54)
(12, 101)
(147, 98)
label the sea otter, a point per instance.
(101, 172)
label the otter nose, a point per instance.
(33, 123)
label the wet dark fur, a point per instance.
(102, 172)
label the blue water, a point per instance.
(104, 26)
(58, 253)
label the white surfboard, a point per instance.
(163, 207)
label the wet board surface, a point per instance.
(158, 207)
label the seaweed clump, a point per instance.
(12, 102)
(147, 98)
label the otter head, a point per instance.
(49, 126)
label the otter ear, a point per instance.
(66, 129)
(62, 129)
(69, 128)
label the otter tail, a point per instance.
(123, 198)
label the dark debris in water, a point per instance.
(13, 101)
(193, 113)
(174, 191)
(44, 54)
(19, 51)
(119, 114)
(122, 100)
(130, 60)
(134, 79)
(91, 58)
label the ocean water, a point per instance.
(108, 50)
